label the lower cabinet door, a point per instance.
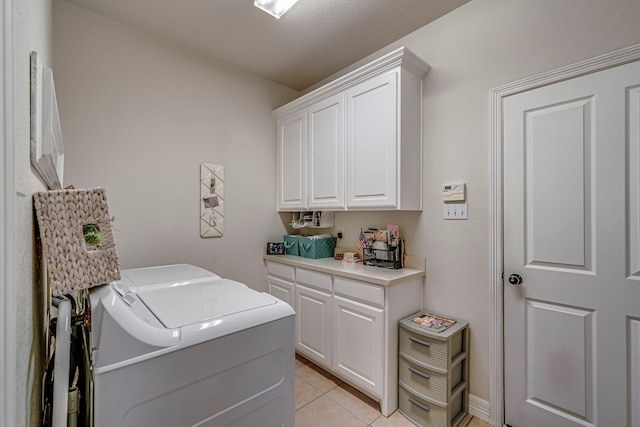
(358, 343)
(282, 290)
(313, 325)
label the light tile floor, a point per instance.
(323, 400)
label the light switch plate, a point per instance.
(455, 211)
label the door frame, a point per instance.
(496, 337)
(7, 205)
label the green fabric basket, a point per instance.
(291, 245)
(317, 248)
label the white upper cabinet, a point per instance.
(371, 143)
(356, 142)
(292, 154)
(326, 153)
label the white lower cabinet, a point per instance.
(349, 326)
(313, 325)
(282, 290)
(358, 346)
(280, 280)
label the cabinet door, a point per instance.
(292, 133)
(282, 290)
(372, 136)
(358, 337)
(313, 325)
(326, 153)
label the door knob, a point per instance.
(515, 279)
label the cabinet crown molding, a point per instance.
(402, 57)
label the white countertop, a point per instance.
(371, 274)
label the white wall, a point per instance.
(482, 45)
(138, 117)
(485, 44)
(32, 31)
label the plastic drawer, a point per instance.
(426, 414)
(433, 353)
(429, 384)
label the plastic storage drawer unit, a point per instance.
(433, 373)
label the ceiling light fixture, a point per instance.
(275, 8)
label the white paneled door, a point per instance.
(572, 252)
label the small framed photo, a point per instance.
(275, 248)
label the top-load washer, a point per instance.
(180, 346)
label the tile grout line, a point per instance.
(349, 410)
(326, 393)
(468, 418)
(312, 400)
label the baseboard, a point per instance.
(479, 408)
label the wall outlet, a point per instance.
(340, 231)
(455, 211)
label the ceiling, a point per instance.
(313, 40)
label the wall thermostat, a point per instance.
(453, 192)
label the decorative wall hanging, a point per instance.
(47, 150)
(77, 239)
(211, 200)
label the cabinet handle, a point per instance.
(419, 373)
(419, 405)
(424, 343)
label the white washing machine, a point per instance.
(179, 346)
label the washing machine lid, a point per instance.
(201, 301)
(164, 276)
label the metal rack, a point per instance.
(383, 255)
